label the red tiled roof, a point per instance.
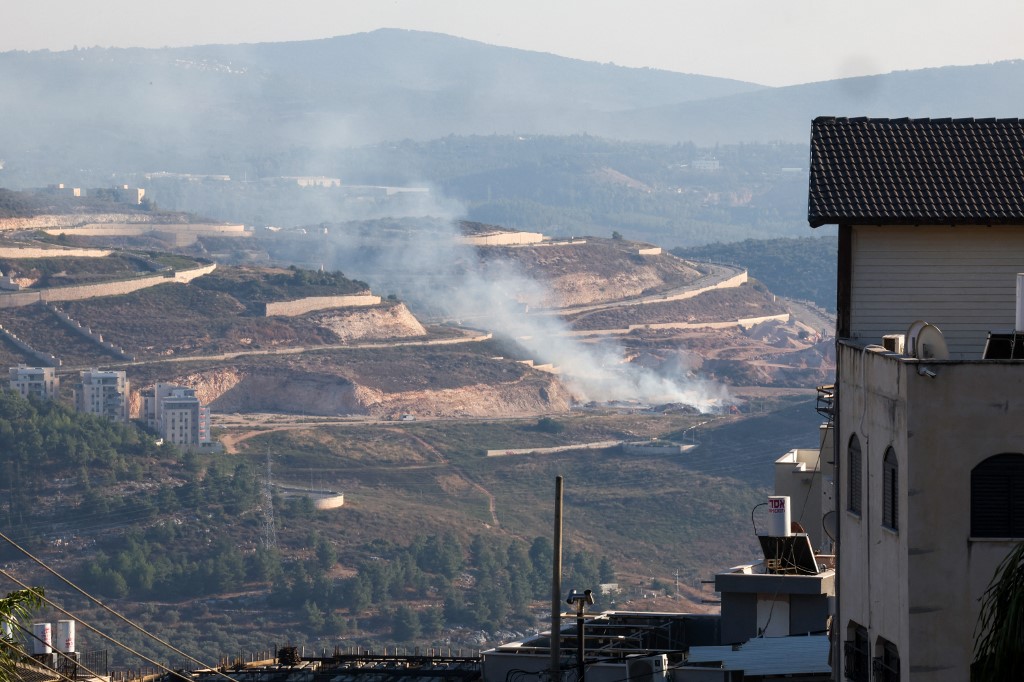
(914, 171)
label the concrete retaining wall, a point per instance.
(69, 220)
(45, 359)
(745, 323)
(90, 335)
(37, 252)
(84, 291)
(330, 502)
(559, 448)
(305, 305)
(503, 239)
(642, 448)
(135, 229)
(734, 281)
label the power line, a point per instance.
(102, 605)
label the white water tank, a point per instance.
(42, 641)
(779, 516)
(66, 636)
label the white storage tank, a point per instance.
(42, 642)
(66, 636)
(779, 517)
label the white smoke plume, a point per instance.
(436, 272)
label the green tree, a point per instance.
(15, 608)
(549, 425)
(999, 635)
(606, 570)
(405, 626)
(313, 616)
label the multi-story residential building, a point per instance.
(177, 414)
(104, 393)
(929, 394)
(41, 382)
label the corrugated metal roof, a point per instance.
(881, 171)
(768, 655)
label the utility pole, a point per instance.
(269, 527)
(556, 586)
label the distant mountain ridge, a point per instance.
(218, 108)
(147, 106)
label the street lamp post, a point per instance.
(580, 600)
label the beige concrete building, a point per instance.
(177, 415)
(41, 382)
(104, 393)
(929, 435)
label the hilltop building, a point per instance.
(177, 415)
(41, 382)
(104, 393)
(929, 440)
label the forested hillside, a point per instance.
(148, 525)
(796, 268)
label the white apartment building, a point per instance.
(929, 394)
(41, 382)
(103, 392)
(177, 414)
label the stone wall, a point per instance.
(83, 291)
(503, 239)
(744, 322)
(45, 359)
(58, 222)
(89, 334)
(38, 252)
(311, 303)
(601, 445)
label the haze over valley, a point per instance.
(415, 278)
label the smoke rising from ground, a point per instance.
(441, 277)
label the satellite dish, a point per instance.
(910, 347)
(931, 345)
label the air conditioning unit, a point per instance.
(894, 343)
(647, 668)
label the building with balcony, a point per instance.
(40, 382)
(929, 392)
(104, 393)
(177, 415)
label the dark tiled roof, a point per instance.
(913, 171)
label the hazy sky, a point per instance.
(774, 42)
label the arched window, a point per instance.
(853, 475)
(857, 653)
(890, 490)
(886, 664)
(997, 497)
